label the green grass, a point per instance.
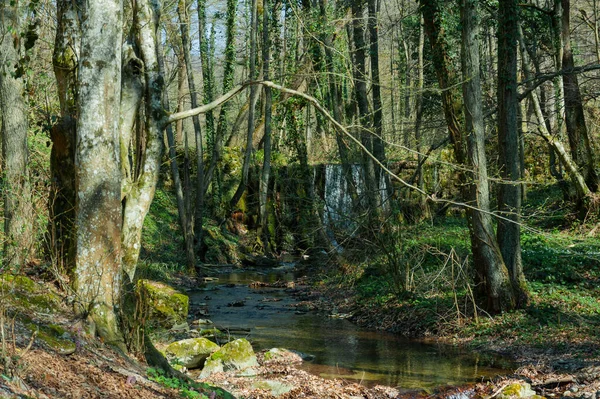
(189, 390)
(561, 262)
(162, 243)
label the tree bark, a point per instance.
(486, 253)
(251, 106)
(509, 196)
(378, 142)
(18, 211)
(362, 103)
(579, 141)
(173, 157)
(228, 78)
(266, 168)
(193, 228)
(543, 127)
(61, 202)
(98, 170)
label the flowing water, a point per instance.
(340, 348)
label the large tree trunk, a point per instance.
(486, 253)
(18, 213)
(61, 203)
(138, 199)
(579, 141)
(509, 197)
(98, 171)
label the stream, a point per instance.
(337, 348)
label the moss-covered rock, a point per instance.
(236, 355)
(518, 390)
(190, 353)
(24, 294)
(221, 245)
(165, 306)
(54, 337)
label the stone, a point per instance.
(190, 353)
(54, 337)
(282, 355)
(236, 355)
(518, 390)
(276, 388)
(165, 306)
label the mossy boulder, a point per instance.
(518, 390)
(165, 306)
(221, 245)
(190, 353)
(25, 294)
(54, 337)
(236, 355)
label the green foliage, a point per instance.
(556, 259)
(188, 390)
(161, 237)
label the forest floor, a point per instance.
(555, 340)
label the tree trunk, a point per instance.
(544, 128)
(486, 253)
(378, 142)
(266, 169)
(362, 102)
(61, 204)
(98, 171)
(251, 106)
(18, 212)
(194, 231)
(187, 235)
(579, 141)
(228, 78)
(509, 196)
(419, 114)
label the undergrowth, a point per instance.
(189, 390)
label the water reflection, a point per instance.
(340, 348)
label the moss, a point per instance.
(518, 390)
(25, 294)
(190, 353)
(53, 336)
(236, 355)
(164, 305)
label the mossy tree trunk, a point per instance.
(191, 230)
(98, 170)
(582, 152)
(18, 212)
(251, 107)
(61, 203)
(492, 276)
(267, 144)
(509, 195)
(485, 249)
(362, 104)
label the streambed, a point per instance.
(337, 348)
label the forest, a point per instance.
(405, 194)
